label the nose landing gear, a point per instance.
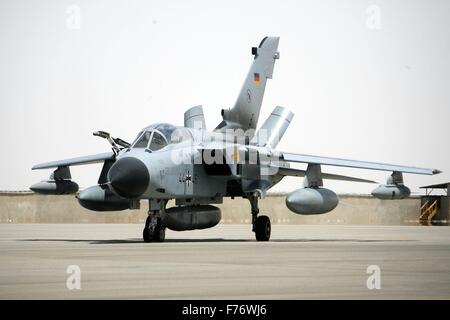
(154, 230)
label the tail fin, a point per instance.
(273, 128)
(245, 112)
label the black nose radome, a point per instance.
(129, 177)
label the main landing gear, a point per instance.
(260, 224)
(154, 230)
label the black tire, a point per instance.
(263, 228)
(146, 235)
(160, 233)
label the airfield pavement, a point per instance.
(225, 262)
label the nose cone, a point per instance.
(129, 177)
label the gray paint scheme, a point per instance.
(99, 198)
(273, 128)
(245, 112)
(194, 118)
(393, 189)
(169, 155)
(312, 201)
(191, 218)
(305, 158)
(55, 187)
(301, 173)
(391, 192)
(96, 158)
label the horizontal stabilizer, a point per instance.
(273, 128)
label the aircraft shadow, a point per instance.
(128, 241)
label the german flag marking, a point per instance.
(256, 79)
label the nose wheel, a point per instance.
(153, 231)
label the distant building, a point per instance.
(435, 209)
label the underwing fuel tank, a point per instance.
(391, 192)
(192, 217)
(312, 201)
(98, 198)
(55, 187)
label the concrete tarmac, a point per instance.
(300, 262)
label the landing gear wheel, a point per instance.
(158, 234)
(146, 235)
(262, 228)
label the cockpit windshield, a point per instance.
(152, 140)
(142, 142)
(157, 136)
(158, 142)
(166, 130)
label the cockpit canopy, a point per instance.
(157, 136)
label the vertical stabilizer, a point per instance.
(245, 112)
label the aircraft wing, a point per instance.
(301, 173)
(304, 158)
(95, 158)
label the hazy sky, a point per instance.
(367, 80)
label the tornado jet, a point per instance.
(198, 168)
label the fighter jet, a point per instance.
(198, 168)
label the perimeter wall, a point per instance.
(27, 207)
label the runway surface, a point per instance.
(300, 262)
